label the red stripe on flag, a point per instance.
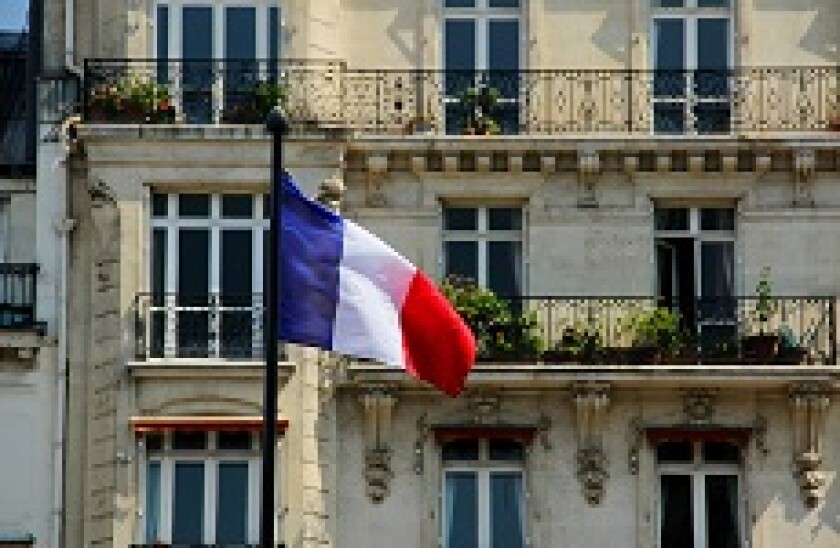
(439, 347)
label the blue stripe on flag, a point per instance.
(311, 247)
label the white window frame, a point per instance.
(483, 236)
(214, 224)
(5, 228)
(210, 457)
(698, 471)
(483, 468)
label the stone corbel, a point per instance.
(378, 405)
(591, 401)
(809, 402)
(331, 192)
(377, 169)
(804, 169)
(589, 169)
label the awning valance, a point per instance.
(444, 434)
(205, 423)
(737, 434)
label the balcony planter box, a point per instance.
(834, 123)
(562, 356)
(762, 348)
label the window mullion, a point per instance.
(211, 473)
(484, 508)
(167, 482)
(698, 487)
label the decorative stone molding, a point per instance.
(378, 404)
(484, 407)
(804, 169)
(420, 444)
(760, 435)
(543, 428)
(699, 405)
(483, 163)
(696, 163)
(515, 163)
(450, 163)
(591, 401)
(763, 163)
(331, 192)
(729, 162)
(589, 169)
(548, 163)
(809, 402)
(636, 437)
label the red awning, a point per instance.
(444, 434)
(739, 435)
(143, 425)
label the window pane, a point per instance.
(192, 441)
(718, 270)
(721, 452)
(713, 3)
(675, 525)
(240, 31)
(670, 44)
(460, 218)
(504, 3)
(162, 42)
(193, 289)
(670, 218)
(266, 198)
(462, 260)
(273, 42)
(188, 506)
(504, 218)
(237, 206)
(674, 451)
(507, 510)
(717, 219)
(158, 267)
(153, 502)
(459, 3)
(194, 205)
(160, 205)
(154, 442)
(504, 268)
(668, 3)
(506, 450)
(503, 49)
(238, 441)
(461, 510)
(232, 508)
(460, 450)
(237, 266)
(722, 511)
(198, 72)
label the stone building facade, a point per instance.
(597, 163)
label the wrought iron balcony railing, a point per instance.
(583, 330)
(328, 94)
(17, 295)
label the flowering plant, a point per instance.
(131, 100)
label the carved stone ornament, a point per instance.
(484, 408)
(805, 167)
(378, 405)
(699, 406)
(589, 169)
(809, 402)
(591, 403)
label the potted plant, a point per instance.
(256, 105)
(478, 104)
(655, 334)
(578, 344)
(763, 346)
(131, 100)
(502, 333)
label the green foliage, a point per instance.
(764, 297)
(658, 328)
(132, 100)
(478, 104)
(580, 340)
(258, 103)
(500, 331)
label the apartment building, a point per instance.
(644, 195)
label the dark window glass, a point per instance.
(721, 452)
(459, 3)
(163, 43)
(504, 268)
(193, 327)
(460, 450)
(154, 442)
(236, 284)
(152, 501)
(504, 218)
(674, 451)
(460, 218)
(160, 205)
(266, 198)
(461, 509)
(232, 509)
(189, 441)
(504, 3)
(507, 502)
(713, 3)
(506, 450)
(188, 506)
(194, 205)
(240, 29)
(234, 441)
(462, 260)
(669, 3)
(722, 511)
(273, 42)
(676, 523)
(670, 218)
(237, 206)
(719, 218)
(503, 48)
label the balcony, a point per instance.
(329, 95)
(632, 331)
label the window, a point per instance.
(698, 494)
(201, 488)
(240, 33)
(483, 494)
(692, 57)
(206, 275)
(484, 244)
(482, 47)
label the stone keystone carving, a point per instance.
(699, 405)
(378, 405)
(809, 402)
(591, 402)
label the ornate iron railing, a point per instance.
(329, 95)
(17, 295)
(597, 330)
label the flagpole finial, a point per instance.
(276, 122)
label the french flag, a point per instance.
(343, 289)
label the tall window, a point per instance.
(692, 57)
(207, 274)
(483, 494)
(699, 503)
(484, 244)
(482, 49)
(201, 488)
(240, 33)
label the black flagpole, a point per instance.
(278, 127)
